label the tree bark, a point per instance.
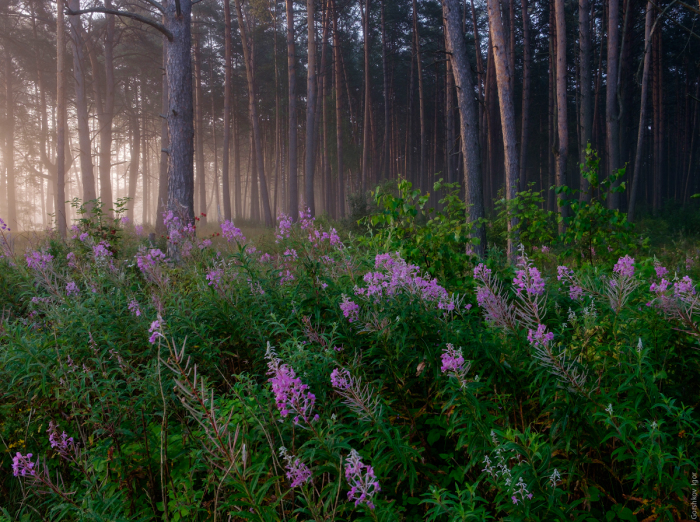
(387, 107)
(310, 110)
(145, 177)
(162, 202)
(505, 97)
(449, 115)
(642, 114)
(86, 167)
(325, 94)
(612, 123)
(254, 120)
(105, 165)
(228, 78)
(525, 122)
(9, 155)
(366, 139)
(338, 112)
(586, 94)
(468, 121)
(199, 130)
(292, 149)
(422, 173)
(562, 121)
(135, 148)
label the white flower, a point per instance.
(609, 409)
(555, 477)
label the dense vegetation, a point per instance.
(343, 376)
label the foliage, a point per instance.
(534, 226)
(324, 379)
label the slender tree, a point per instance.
(338, 111)
(292, 108)
(310, 108)
(562, 116)
(586, 94)
(199, 129)
(366, 120)
(525, 121)
(9, 155)
(162, 202)
(228, 78)
(60, 189)
(612, 124)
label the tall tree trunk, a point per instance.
(338, 112)
(586, 106)
(310, 108)
(387, 108)
(562, 121)
(552, 109)
(292, 149)
(524, 126)
(135, 148)
(228, 78)
(366, 139)
(86, 167)
(145, 176)
(199, 130)
(422, 173)
(236, 167)
(325, 95)
(468, 121)
(105, 165)
(642, 114)
(505, 97)
(10, 142)
(180, 110)
(248, 56)
(612, 123)
(449, 116)
(162, 201)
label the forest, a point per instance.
(349, 260)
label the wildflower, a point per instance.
(125, 220)
(38, 260)
(61, 443)
(150, 260)
(363, 483)
(22, 465)
(215, 276)
(528, 278)
(545, 249)
(72, 289)
(351, 310)
(661, 271)
(640, 346)
(291, 395)
(101, 251)
(134, 308)
(575, 292)
(290, 252)
(265, 258)
(684, 287)
(521, 491)
(452, 360)
(609, 409)
(298, 473)
(555, 477)
(341, 378)
(3, 226)
(204, 244)
(83, 237)
(154, 330)
(624, 267)
(231, 232)
(138, 229)
(284, 227)
(539, 337)
(481, 272)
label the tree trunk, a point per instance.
(199, 130)
(325, 94)
(145, 177)
(228, 78)
(135, 149)
(105, 165)
(422, 173)
(86, 167)
(586, 106)
(248, 56)
(366, 139)
(387, 108)
(612, 123)
(505, 97)
(562, 123)
(310, 108)
(9, 155)
(162, 202)
(292, 149)
(642, 114)
(236, 167)
(449, 116)
(180, 113)
(338, 112)
(527, 60)
(468, 121)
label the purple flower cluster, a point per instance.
(138, 229)
(284, 227)
(528, 278)
(231, 232)
(38, 260)
(22, 465)
(660, 270)
(205, 243)
(147, 262)
(659, 288)
(341, 379)
(684, 288)
(540, 337)
(61, 443)
(72, 289)
(4, 226)
(624, 267)
(452, 360)
(351, 310)
(154, 330)
(215, 277)
(101, 251)
(134, 308)
(291, 395)
(298, 473)
(361, 479)
(317, 237)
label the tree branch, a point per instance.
(156, 5)
(125, 14)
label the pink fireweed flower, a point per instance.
(661, 271)
(72, 289)
(231, 232)
(341, 378)
(134, 308)
(84, 237)
(265, 258)
(384, 260)
(290, 252)
(138, 229)
(38, 260)
(125, 220)
(452, 359)
(291, 395)
(575, 292)
(154, 330)
(539, 337)
(298, 473)
(101, 251)
(3, 225)
(153, 258)
(70, 257)
(284, 227)
(60, 442)
(564, 272)
(529, 280)
(624, 267)
(351, 310)
(305, 219)
(481, 273)
(684, 287)
(659, 288)
(204, 244)
(22, 465)
(215, 277)
(361, 479)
